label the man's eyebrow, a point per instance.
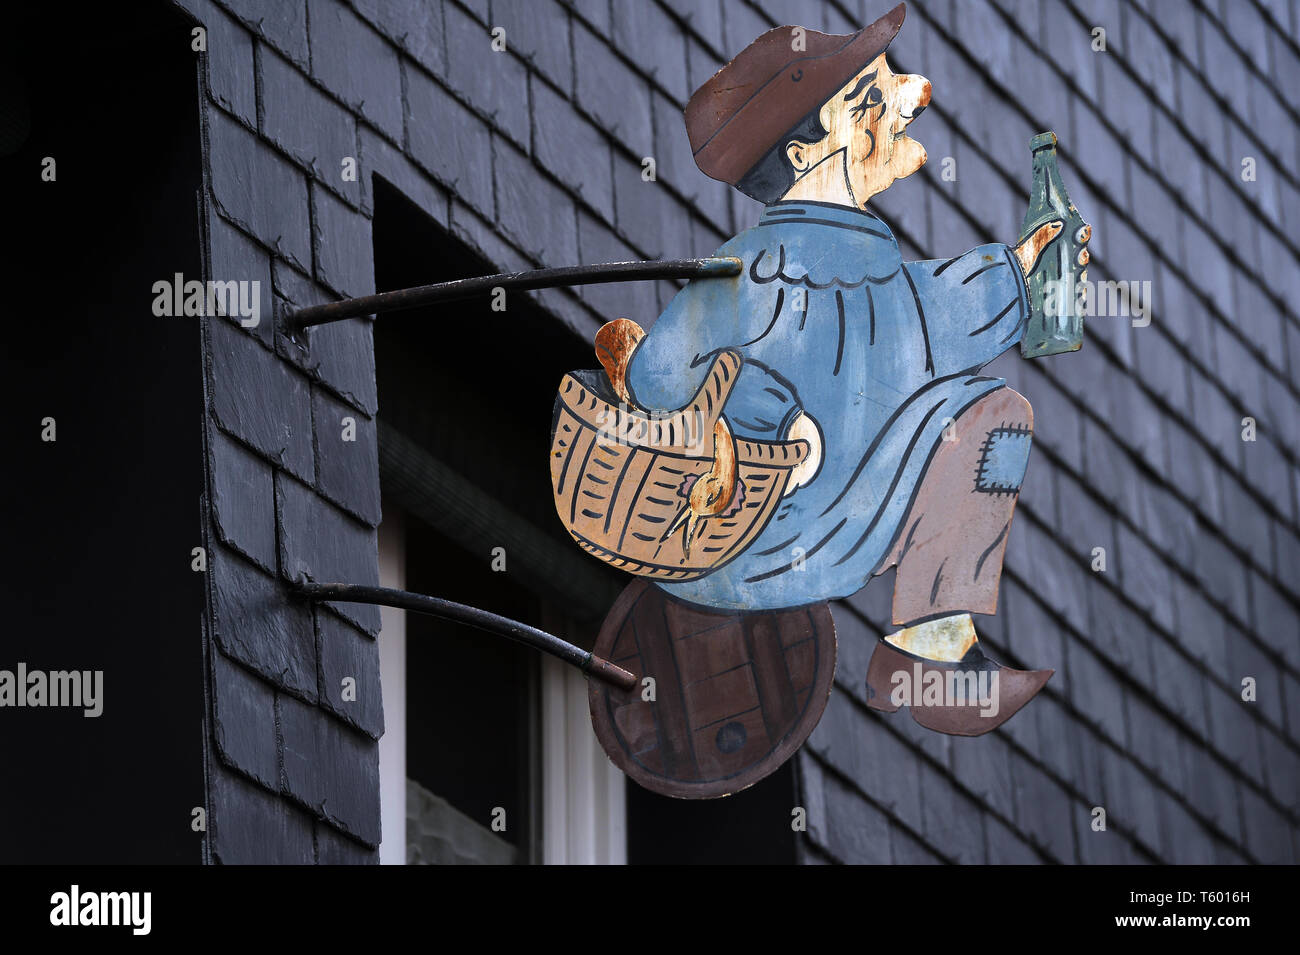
(862, 84)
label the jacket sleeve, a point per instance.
(974, 306)
(708, 315)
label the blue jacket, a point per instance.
(881, 353)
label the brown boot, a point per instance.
(939, 671)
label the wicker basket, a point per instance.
(621, 477)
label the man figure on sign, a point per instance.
(915, 458)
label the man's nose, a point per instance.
(923, 93)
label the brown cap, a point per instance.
(747, 106)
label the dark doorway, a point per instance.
(101, 520)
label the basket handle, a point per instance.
(707, 404)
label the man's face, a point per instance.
(868, 119)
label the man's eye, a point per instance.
(872, 99)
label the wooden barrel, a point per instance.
(734, 695)
(621, 477)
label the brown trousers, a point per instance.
(949, 551)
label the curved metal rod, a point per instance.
(713, 267)
(584, 660)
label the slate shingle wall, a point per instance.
(534, 157)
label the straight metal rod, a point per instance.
(589, 663)
(716, 267)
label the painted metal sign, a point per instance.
(780, 437)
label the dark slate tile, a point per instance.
(243, 500)
(1276, 620)
(1045, 810)
(356, 64)
(320, 542)
(1118, 634)
(258, 190)
(634, 300)
(380, 158)
(905, 849)
(307, 124)
(950, 821)
(231, 79)
(282, 24)
(1210, 788)
(1266, 830)
(415, 26)
(534, 212)
(595, 13)
(493, 82)
(1169, 524)
(341, 354)
(1058, 575)
(572, 149)
(346, 654)
(657, 46)
(1247, 522)
(1131, 801)
(1084, 525)
(1271, 476)
(1144, 578)
(1291, 690)
(1096, 693)
(237, 258)
(485, 237)
(1281, 770)
(331, 769)
(1056, 733)
(257, 623)
(1006, 846)
(344, 256)
(1234, 731)
(461, 162)
(703, 17)
(1202, 630)
(259, 399)
(1192, 472)
(858, 745)
(983, 764)
(538, 31)
(1179, 685)
(1109, 471)
(249, 826)
(618, 98)
(1222, 574)
(334, 848)
(810, 780)
(243, 721)
(1183, 839)
(652, 218)
(347, 457)
(857, 832)
(1153, 741)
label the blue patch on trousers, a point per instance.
(1003, 460)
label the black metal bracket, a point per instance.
(716, 267)
(590, 664)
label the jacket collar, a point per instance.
(826, 213)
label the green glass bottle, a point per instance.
(1055, 314)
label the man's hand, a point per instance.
(804, 427)
(1029, 251)
(615, 343)
(712, 492)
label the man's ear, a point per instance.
(797, 153)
